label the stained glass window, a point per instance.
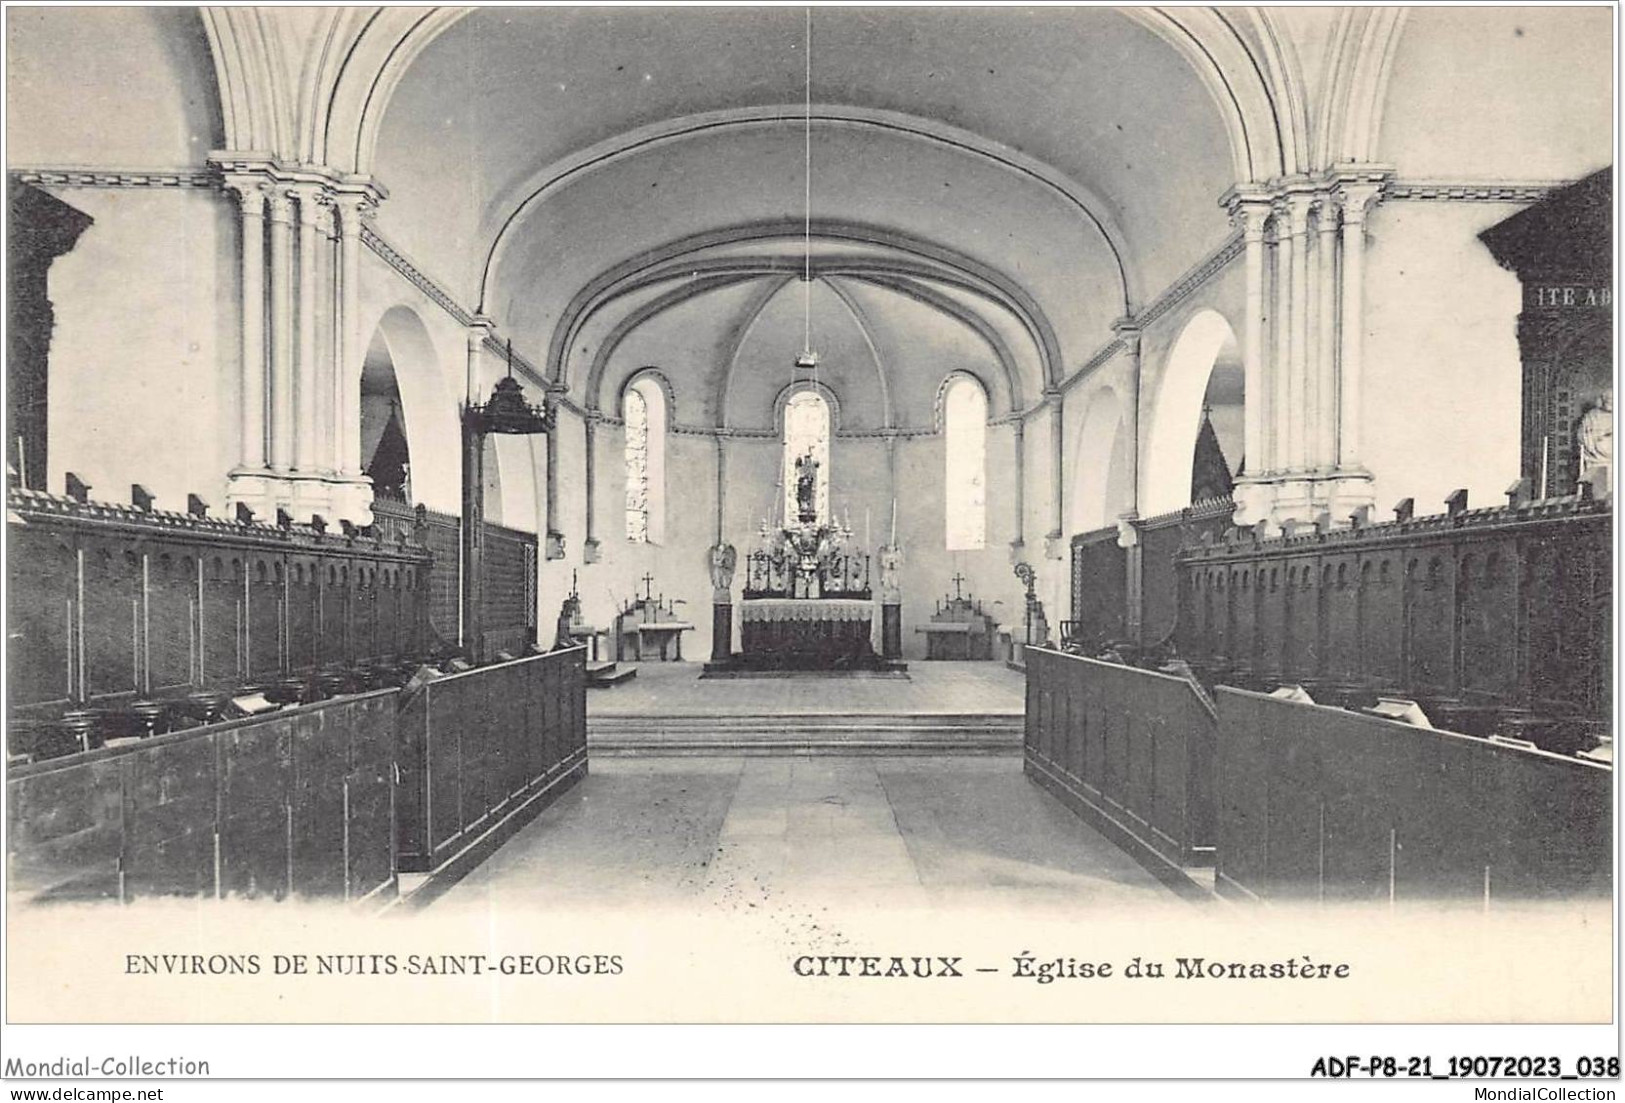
(964, 424)
(635, 412)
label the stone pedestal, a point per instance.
(891, 631)
(722, 631)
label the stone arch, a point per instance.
(1101, 465)
(1358, 64)
(948, 380)
(428, 415)
(1176, 413)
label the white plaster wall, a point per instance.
(144, 357)
(1501, 93)
(1442, 387)
(126, 87)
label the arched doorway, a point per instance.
(1194, 448)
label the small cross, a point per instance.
(956, 580)
(648, 587)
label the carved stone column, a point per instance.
(351, 208)
(1356, 191)
(479, 331)
(555, 530)
(250, 481)
(324, 322)
(1280, 366)
(280, 211)
(591, 550)
(1055, 539)
(1324, 454)
(304, 437)
(1298, 205)
(722, 435)
(251, 196)
(1251, 209)
(1018, 543)
(1129, 335)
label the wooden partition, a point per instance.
(295, 804)
(1099, 590)
(1130, 750)
(1324, 803)
(477, 748)
(110, 603)
(509, 591)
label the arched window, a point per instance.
(806, 438)
(643, 409)
(964, 429)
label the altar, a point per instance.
(807, 632)
(807, 603)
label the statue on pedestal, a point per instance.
(1595, 437)
(806, 489)
(890, 562)
(723, 560)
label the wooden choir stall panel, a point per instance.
(1130, 750)
(1493, 620)
(1324, 803)
(117, 605)
(294, 804)
(487, 746)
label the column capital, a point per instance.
(250, 190)
(279, 204)
(1325, 213)
(480, 327)
(1297, 204)
(1054, 396)
(1249, 207)
(350, 209)
(311, 197)
(1129, 333)
(1356, 188)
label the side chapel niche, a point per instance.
(1561, 250)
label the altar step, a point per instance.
(605, 675)
(807, 734)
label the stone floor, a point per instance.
(742, 833)
(675, 689)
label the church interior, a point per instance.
(1053, 457)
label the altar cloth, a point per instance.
(814, 609)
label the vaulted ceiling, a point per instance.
(990, 190)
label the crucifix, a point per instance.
(956, 580)
(648, 587)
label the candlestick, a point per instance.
(894, 522)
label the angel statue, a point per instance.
(723, 559)
(891, 563)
